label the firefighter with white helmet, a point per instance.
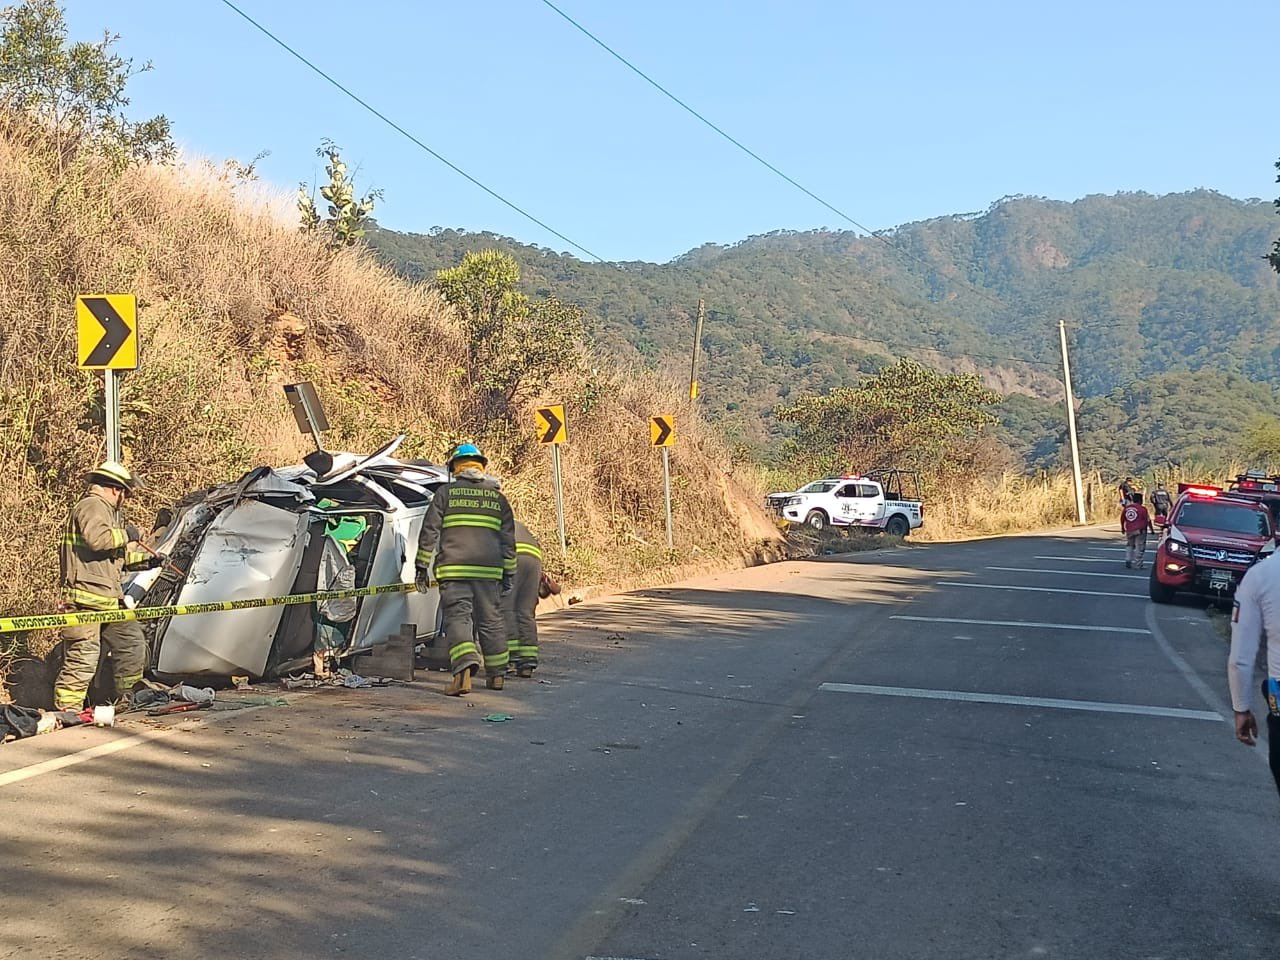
(96, 547)
(468, 541)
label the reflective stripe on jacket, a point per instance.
(526, 542)
(470, 530)
(92, 555)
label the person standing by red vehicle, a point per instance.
(1135, 522)
(1255, 623)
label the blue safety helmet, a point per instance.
(466, 451)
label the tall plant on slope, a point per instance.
(348, 215)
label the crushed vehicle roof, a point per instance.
(334, 522)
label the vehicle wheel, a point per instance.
(1159, 592)
(816, 520)
(898, 526)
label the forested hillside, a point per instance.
(1149, 285)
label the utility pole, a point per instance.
(697, 349)
(1071, 424)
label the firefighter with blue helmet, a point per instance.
(468, 545)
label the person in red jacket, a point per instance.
(1136, 523)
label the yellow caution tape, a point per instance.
(12, 624)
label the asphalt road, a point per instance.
(958, 751)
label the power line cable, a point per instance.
(409, 136)
(737, 143)
(963, 284)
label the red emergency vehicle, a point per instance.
(1211, 537)
(1260, 486)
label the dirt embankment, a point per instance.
(234, 302)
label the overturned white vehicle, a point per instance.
(336, 522)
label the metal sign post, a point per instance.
(107, 340)
(666, 492)
(111, 397)
(558, 478)
(662, 433)
(553, 428)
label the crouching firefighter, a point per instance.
(469, 534)
(519, 605)
(96, 548)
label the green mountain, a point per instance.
(1148, 285)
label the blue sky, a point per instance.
(889, 112)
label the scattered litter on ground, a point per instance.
(18, 723)
(178, 706)
(300, 681)
(497, 717)
(148, 697)
(189, 694)
(239, 703)
(343, 678)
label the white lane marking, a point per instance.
(1071, 573)
(1023, 623)
(1080, 559)
(1110, 549)
(89, 753)
(115, 746)
(1001, 586)
(1095, 706)
(1206, 692)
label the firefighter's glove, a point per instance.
(156, 560)
(132, 532)
(422, 579)
(507, 582)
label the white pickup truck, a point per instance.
(887, 499)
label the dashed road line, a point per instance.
(1071, 573)
(125, 743)
(1023, 623)
(1093, 706)
(1000, 586)
(1079, 559)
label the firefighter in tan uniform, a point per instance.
(520, 603)
(468, 535)
(96, 547)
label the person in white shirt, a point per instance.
(1255, 620)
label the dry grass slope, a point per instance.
(234, 302)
